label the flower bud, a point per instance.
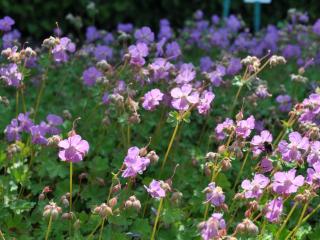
(116, 188)
(134, 118)
(77, 224)
(143, 151)
(101, 181)
(176, 197)
(226, 164)
(113, 202)
(67, 216)
(154, 158)
(66, 114)
(42, 196)
(54, 140)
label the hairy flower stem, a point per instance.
(169, 146)
(23, 101)
(241, 171)
(95, 229)
(286, 220)
(293, 231)
(128, 135)
(49, 228)
(37, 104)
(213, 177)
(70, 200)
(101, 229)
(156, 220)
(17, 103)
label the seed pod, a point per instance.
(154, 158)
(113, 202)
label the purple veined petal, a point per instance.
(193, 98)
(133, 152)
(186, 89)
(291, 174)
(83, 146)
(299, 181)
(62, 155)
(295, 137)
(180, 104)
(266, 136)
(246, 184)
(304, 143)
(176, 93)
(64, 144)
(75, 140)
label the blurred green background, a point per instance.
(36, 18)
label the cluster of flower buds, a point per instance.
(4, 100)
(50, 42)
(13, 55)
(104, 210)
(277, 60)
(176, 197)
(52, 210)
(298, 78)
(305, 196)
(104, 66)
(252, 62)
(133, 202)
(54, 140)
(13, 149)
(247, 227)
(65, 199)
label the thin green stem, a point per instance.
(70, 200)
(23, 101)
(2, 236)
(37, 104)
(241, 170)
(128, 134)
(286, 220)
(300, 221)
(95, 229)
(101, 229)
(157, 220)
(169, 146)
(262, 229)
(49, 228)
(17, 103)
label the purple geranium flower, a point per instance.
(11, 75)
(6, 23)
(13, 131)
(212, 228)
(314, 155)
(90, 76)
(258, 142)
(25, 122)
(160, 68)
(134, 163)
(310, 108)
(287, 182)
(144, 34)
(186, 73)
(266, 165)
(53, 121)
(38, 133)
(313, 177)
(155, 189)
(173, 50)
(92, 34)
(224, 128)
(274, 210)
(244, 127)
(125, 27)
(60, 50)
(285, 103)
(216, 76)
(102, 52)
(214, 195)
(316, 27)
(254, 188)
(73, 149)
(137, 53)
(293, 151)
(183, 96)
(152, 99)
(205, 102)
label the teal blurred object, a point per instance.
(226, 8)
(257, 12)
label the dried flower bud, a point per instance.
(239, 116)
(66, 114)
(143, 152)
(103, 210)
(176, 197)
(103, 65)
(42, 196)
(133, 105)
(29, 52)
(77, 224)
(154, 158)
(54, 140)
(83, 176)
(211, 156)
(226, 164)
(276, 60)
(5, 101)
(136, 205)
(221, 149)
(134, 118)
(116, 188)
(67, 216)
(106, 121)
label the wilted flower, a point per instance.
(214, 195)
(273, 210)
(214, 227)
(155, 189)
(52, 210)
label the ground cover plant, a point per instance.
(205, 132)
